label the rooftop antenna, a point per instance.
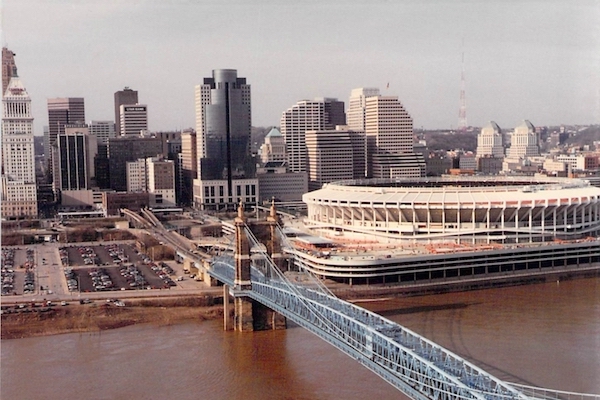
(462, 111)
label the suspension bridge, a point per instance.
(255, 275)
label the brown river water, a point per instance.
(542, 335)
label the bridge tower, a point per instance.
(248, 314)
(274, 243)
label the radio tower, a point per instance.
(462, 111)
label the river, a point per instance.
(543, 335)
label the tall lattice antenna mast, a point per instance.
(462, 111)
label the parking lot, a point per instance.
(113, 267)
(18, 271)
(53, 271)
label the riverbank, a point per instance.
(100, 316)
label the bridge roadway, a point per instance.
(413, 364)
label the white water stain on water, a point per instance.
(547, 335)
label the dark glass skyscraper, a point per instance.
(223, 123)
(61, 112)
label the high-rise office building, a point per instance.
(19, 190)
(357, 107)
(155, 176)
(102, 130)
(490, 141)
(136, 176)
(61, 112)
(389, 135)
(308, 115)
(325, 161)
(524, 141)
(189, 166)
(124, 149)
(189, 154)
(223, 126)
(64, 111)
(8, 67)
(161, 181)
(388, 126)
(77, 150)
(133, 119)
(125, 96)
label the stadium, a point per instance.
(477, 210)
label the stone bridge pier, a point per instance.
(249, 315)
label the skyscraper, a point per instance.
(223, 126)
(124, 149)
(389, 134)
(77, 150)
(524, 141)
(133, 119)
(103, 130)
(357, 107)
(61, 112)
(490, 141)
(308, 115)
(8, 67)
(325, 163)
(125, 96)
(19, 190)
(64, 111)
(189, 166)
(388, 125)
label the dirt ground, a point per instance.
(102, 316)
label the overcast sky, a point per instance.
(536, 60)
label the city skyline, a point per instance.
(531, 60)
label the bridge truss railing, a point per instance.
(413, 364)
(551, 394)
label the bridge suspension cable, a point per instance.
(413, 364)
(431, 364)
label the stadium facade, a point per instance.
(461, 209)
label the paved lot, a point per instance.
(51, 283)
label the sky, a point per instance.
(535, 60)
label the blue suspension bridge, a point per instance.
(418, 367)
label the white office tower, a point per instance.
(524, 141)
(274, 147)
(133, 119)
(357, 107)
(388, 124)
(490, 141)
(308, 115)
(389, 134)
(19, 190)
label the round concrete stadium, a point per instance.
(462, 209)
